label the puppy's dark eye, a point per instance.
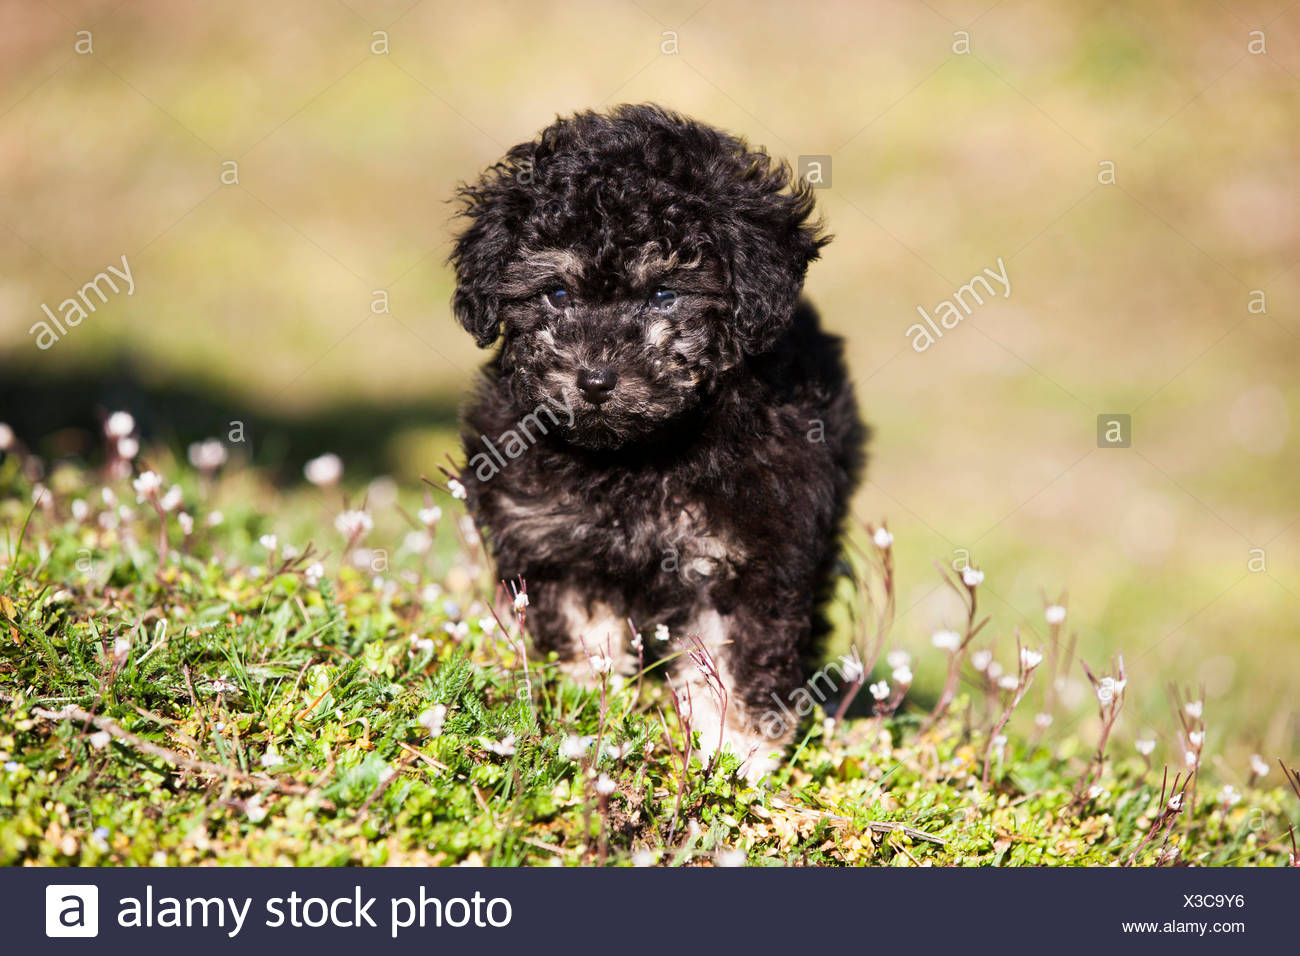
(663, 300)
(558, 299)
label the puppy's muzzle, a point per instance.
(596, 384)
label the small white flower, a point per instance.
(1176, 802)
(107, 496)
(880, 690)
(898, 659)
(381, 493)
(119, 425)
(121, 648)
(604, 785)
(127, 448)
(223, 686)
(1196, 738)
(1190, 758)
(1095, 791)
(417, 542)
(502, 748)
(146, 486)
(619, 751)
(972, 577)
(271, 758)
(1042, 720)
(521, 600)
(729, 858)
(487, 624)
(11, 766)
(468, 529)
(353, 523)
(324, 471)
(6, 437)
(1194, 709)
(882, 538)
(1009, 682)
(1145, 746)
(186, 523)
(980, 660)
(637, 643)
(1230, 795)
(99, 740)
(430, 516)
(80, 510)
(459, 630)
(432, 719)
(903, 675)
(993, 671)
(172, 500)
(314, 573)
(575, 747)
(946, 640)
(1000, 742)
(600, 664)
(644, 858)
(457, 489)
(1258, 765)
(1055, 614)
(208, 455)
(215, 518)
(661, 632)
(851, 667)
(1108, 688)
(270, 542)
(254, 810)
(1030, 659)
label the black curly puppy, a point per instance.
(665, 434)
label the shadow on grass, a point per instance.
(58, 415)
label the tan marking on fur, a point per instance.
(700, 554)
(522, 275)
(658, 332)
(652, 264)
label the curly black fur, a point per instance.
(706, 489)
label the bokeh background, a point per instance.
(959, 131)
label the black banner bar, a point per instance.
(325, 911)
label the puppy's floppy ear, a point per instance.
(770, 241)
(494, 206)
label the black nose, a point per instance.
(596, 384)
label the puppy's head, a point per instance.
(628, 260)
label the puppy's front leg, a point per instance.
(724, 703)
(585, 629)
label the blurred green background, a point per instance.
(253, 300)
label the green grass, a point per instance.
(244, 715)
